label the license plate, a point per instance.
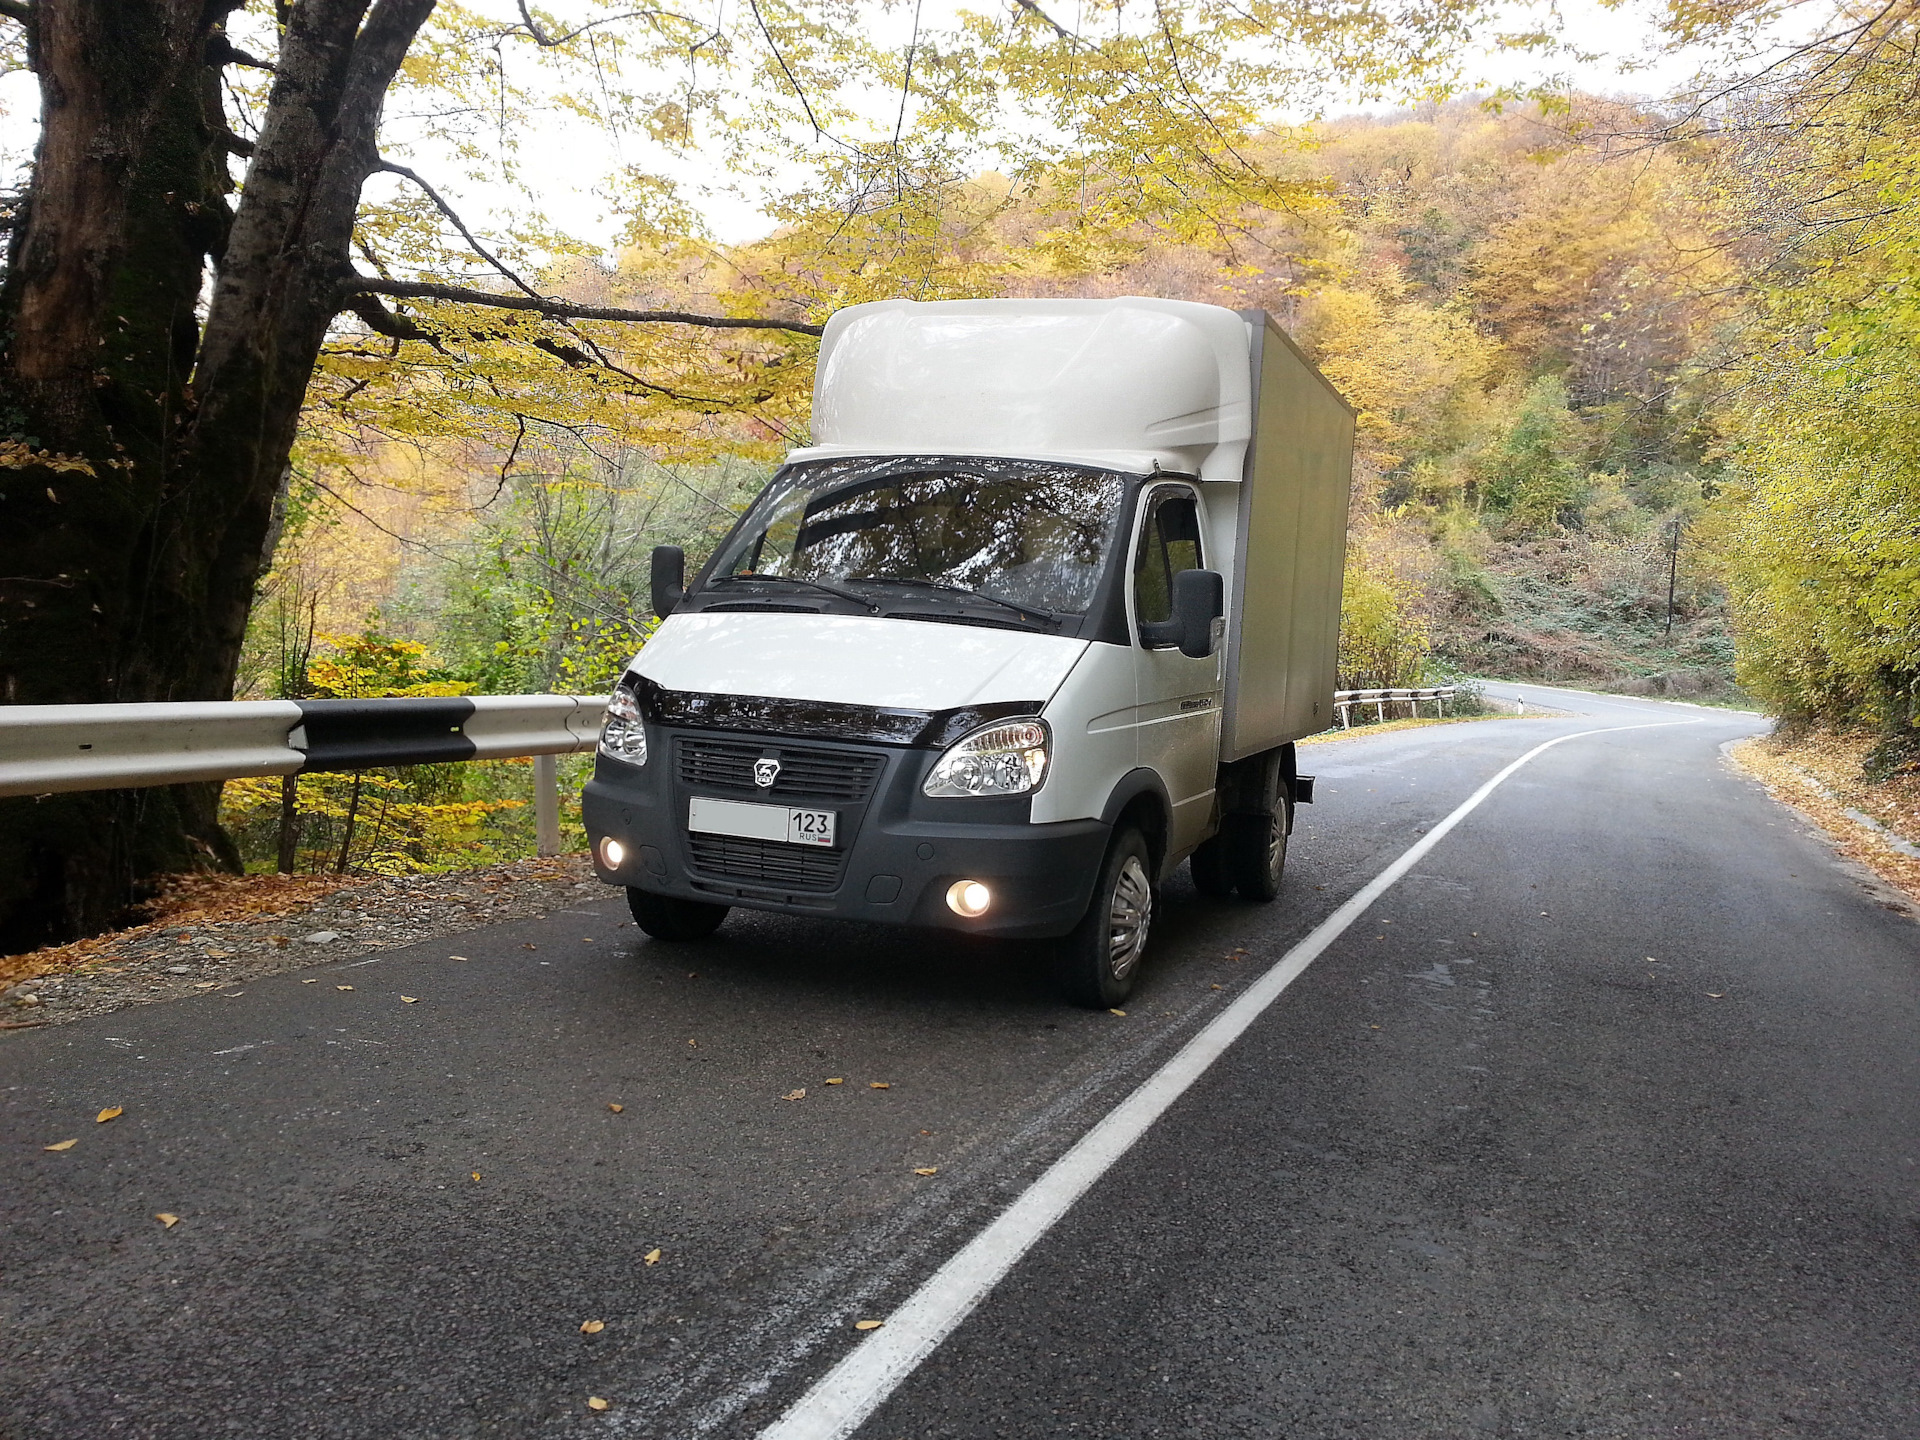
(784, 823)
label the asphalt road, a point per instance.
(1602, 1122)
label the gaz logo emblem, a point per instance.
(765, 772)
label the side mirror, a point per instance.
(669, 579)
(1199, 598)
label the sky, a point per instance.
(580, 155)
(573, 158)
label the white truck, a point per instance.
(1036, 618)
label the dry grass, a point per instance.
(1822, 775)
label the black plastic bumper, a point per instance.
(902, 852)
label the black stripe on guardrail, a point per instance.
(363, 734)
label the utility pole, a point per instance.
(1673, 570)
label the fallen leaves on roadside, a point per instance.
(1716, 995)
(62, 1145)
(1121, 1013)
(838, 1080)
(592, 1327)
(868, 1324)
(529, 945)
(476, 1174)
(112, 1112)
(594, 1402)
(167, 1220)
(206, 984)
(616, 1108)
(879, 1085)
(409, 999)
(314, 981)
(343, 987)
(456, 957)
(794, 1095)
(928, 1170)
(652, 1257)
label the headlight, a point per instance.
(622, 736)
(1009, 758)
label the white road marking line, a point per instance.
(847, 1394)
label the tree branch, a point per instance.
(16, 10)
(222, 51)
(541, 38)
(1058, 29)
(460, 225)
(560, 309)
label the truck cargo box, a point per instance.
(1290, 549)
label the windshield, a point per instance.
(1022, 532)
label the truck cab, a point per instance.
(992, 654)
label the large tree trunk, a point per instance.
(143, 446)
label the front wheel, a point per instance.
(1100, 959)
(666, 918)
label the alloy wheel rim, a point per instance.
(1276, 846)
(1129, 914)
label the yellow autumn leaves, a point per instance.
(111, 1112)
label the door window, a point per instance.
(1169, 543)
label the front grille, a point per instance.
(841, 777)
(765, 862)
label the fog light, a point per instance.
(969, 898)
(612, 853)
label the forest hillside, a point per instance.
(1635, 398)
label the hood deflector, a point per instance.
(818, 719)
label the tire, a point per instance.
(1256, 853)
(1210, 873)
(665, 918)
(1100, 960)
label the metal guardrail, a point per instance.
(48, 749)
(1344, 700)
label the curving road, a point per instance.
(1602, 1120)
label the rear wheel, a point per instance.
(1256, 853)
(666, 918)
(1100, 960)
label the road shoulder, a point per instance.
(1821, 777)
(221, 935)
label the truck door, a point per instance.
(1177, 704)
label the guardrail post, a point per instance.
(546, 804)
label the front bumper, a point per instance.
(897, 850)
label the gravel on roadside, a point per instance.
(214, 936)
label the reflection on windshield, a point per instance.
(1022, 531)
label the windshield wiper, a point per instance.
(1029, 612)
(860, 600)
